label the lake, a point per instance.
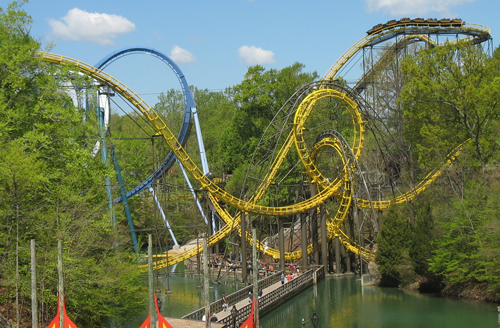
(338, 302)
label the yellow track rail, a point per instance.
(179, 151)
(341, 187)
(402, 42)
(401, 28)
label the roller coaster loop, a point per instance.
(310, 95)
(186, 122)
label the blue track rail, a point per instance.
(186, 123)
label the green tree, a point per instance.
(258, 97)
(422, 236)
(487, 239)
(216, 111)
(464, 244)
(51, 188)
(393, 242)
(451, 94)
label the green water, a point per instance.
(342, 302)
(186, 295)
(339, 302)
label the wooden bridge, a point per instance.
(274, 294)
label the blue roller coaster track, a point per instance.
(186, 123)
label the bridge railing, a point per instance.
(320, 273)
(278, 296)
(268, 301)
(234, 298)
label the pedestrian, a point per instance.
(282, 278)
(297, 268)
(224, 302)
(234, 314)
(271, 269)
(249, 297)
(289, 277)
(260, 293)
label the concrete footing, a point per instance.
(368, 279)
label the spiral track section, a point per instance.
(299, 108)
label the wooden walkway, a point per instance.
(185, 323)
(274, 294)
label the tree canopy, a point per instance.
(52, 182)
(451, 94)
(51, 188)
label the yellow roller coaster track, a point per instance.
(401, 43)
(340, 188)
(465, 28)
(178, 150)
(304, 110)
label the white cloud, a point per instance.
(181, 56)
(79, 25)
(415, 7)
(254, 56)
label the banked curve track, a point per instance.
(186, 122)
(340, 188)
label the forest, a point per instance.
(427, 101)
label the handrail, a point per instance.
(234, 298)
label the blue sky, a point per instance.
(214, 42)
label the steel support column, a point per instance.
(314, 227)
(324, 240)
(303, 238)
(337, 255)
(281, 242)
(244, 271)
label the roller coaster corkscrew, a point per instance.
(288, 131)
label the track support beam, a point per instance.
(281, 242)
(324, 240)
(244, 271)
(303, 238)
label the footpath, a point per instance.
(222, 315)
(274, 293)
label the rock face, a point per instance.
(473, 290)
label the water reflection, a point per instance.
(342, 302)
(186, 295)
(338, 302)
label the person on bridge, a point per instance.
(234, 313)
(282, 278)
(224, 302)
